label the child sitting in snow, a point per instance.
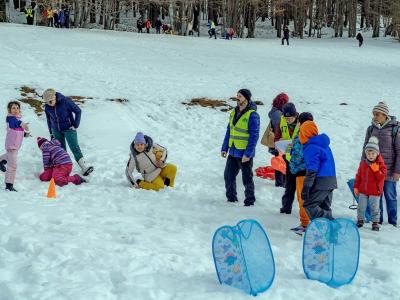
(368, 185)
(16, 131)
(149, 159)
(57, 163)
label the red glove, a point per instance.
(356, 192)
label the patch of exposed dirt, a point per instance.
(119, 100)
(212, 103)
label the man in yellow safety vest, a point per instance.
(239, 145)
(288, 129)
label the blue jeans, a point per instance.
(389, 190)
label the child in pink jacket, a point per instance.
(57, 163)
(16, 131)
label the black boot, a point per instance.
(2, 166)
(375, 226)
(360, 223)
(10, 187)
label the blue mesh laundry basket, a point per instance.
(350, 184)
(243, 257)
(331, 251)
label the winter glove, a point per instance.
(245, 159)
(273, 151)
(374, 167)
(51, 136)
(72, 128)
(223, 154)
(308, 184)
(27, 134)
(356, 192)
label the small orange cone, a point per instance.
(51, 193)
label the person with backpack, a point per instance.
(275, 115)
(239, 147)
(286, 131)
(297, 167)
(386, 129)
(149, 159)
(320, 179)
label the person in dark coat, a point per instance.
(360, 39)
(285, 35)
(63, 119)
(239, 145)
(66, 14)
(320, 178)
(158, 26)
(139, 25)
(275, 115)
(386, 129)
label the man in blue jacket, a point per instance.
(63, 118)
(320, 178)
(240, 144)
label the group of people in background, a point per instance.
(310, 165)
(59, 18)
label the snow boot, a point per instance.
(360, 223)
(299, 229)
(2, 166)
(86, 170)
(82, 180)
(375, 226)
(10, 187)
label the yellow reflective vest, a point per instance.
(239, 133)
(286, 135)
(29, 12)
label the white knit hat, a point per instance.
(382, 108)
(373, 144)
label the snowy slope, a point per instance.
(105, 240)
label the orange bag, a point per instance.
(278, 164)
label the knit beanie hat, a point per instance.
(40, 141)
(305, 116)
(289, 110)
(139, 138)
(48, 95)
(373, 144)
(280, 100)
(246, 93)
(307, 130)
(382, 108)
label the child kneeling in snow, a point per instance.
(149, 159)
(57, 163)
(369, 182)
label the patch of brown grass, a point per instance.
(119, 100)
(206, 102)
(37, 105)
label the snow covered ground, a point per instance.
(105, 240)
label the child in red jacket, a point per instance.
(368, 185)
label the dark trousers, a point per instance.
(318, 204)
(158, 30)
(232, 168)
(389, 190)
(360, 43)
(279, 179)
(29, 20)
(212, 32)
(51, 22)
(287, 41)
(290, 191)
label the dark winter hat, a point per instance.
(280, 100)
(40, 141)
(382, 108)
(246, 93)
(373, 144)
(305, 116)
(139, 138)
(289, 110)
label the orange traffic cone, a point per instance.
(51, 193)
